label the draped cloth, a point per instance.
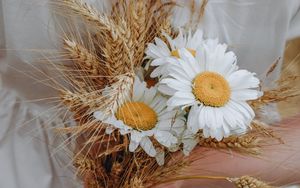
(255, 30)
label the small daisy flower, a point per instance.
(146, 118)
(214, 89)
(160, 52)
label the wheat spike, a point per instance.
(116, 171)
(85, 11)
(87, 62)
(283, 92)
(249, 182)
(137, 183)
(247, 144)
(137, 17)
(77, 101)
(84, 165)
(82, 57)
(118, 53)
(90, 181)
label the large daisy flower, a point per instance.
(146, 118)
(160, 51)
(214, 89)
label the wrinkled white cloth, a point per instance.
(256, 30)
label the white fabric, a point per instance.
(256, 30)
(25, 148)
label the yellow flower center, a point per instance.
(175, 53)
(137, 115)
(211, 89)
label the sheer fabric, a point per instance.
(255, 30)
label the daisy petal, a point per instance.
(245, 94)
(160, 157)
(148, 147)
(133, 145)
(165, 138)
(243, 79)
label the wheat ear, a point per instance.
(249, 182)
(247, 144)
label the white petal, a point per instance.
(160, 157)
(164, 125)
(245, 94)
(167, 114)
(162, 45)
(190, 60)
(109, 130)
(185, 95)
(161, 107)
(188, 68)
(218, 134)
(149, 95)
(177, 73)
(196, 39)
(189, 141)
(165, 138)
(157, 100)
(243, 79)
(148, 147)
(177, 85)
(178, 127)
(154, 51)
(193, 123)
(136, 136)
(175, 101)
(158, 71)
(244, 109)
(159, 62)
(99, 115)
(165, 89)
(201, 117)
(133, 145)
(138, 89)
(206, 133)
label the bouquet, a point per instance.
(142, 95)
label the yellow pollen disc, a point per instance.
(211, 89)
(137, 115)
(175, 53)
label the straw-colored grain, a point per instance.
(246, 144)
(249, 182)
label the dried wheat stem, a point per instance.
(248, 182)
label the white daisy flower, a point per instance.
(160, 52)
(217, 92)
(145, 117)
